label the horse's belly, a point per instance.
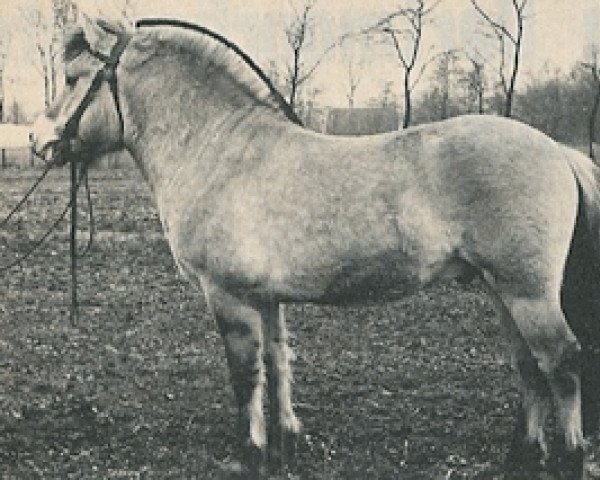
(361, 279)
(354, 279)
(389, 279)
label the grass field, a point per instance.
(138, 388)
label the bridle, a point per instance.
(66, 147)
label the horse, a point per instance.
(259, 212)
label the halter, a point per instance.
(107, 73)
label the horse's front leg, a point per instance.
(284, 426)
(240, 326)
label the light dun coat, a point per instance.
(259, 211)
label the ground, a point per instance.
(415, 389)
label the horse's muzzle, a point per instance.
(53, 149)
(45, 138)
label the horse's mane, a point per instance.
(277, 99)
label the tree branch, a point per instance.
(494, 24)
(428, 62)
(397, 47)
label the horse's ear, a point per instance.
(98, 36)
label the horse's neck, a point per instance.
(185, 132)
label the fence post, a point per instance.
(31, 158)
(3, 158)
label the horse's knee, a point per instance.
(532, 376)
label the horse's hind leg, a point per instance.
(241, 329)
(528, 449)
(582, 309)
(284, 426)
(557, 355)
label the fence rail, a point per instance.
(24, 158)
(17, 157)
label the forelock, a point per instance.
(75, 43)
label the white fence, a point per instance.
(15, 150)
(14, 145)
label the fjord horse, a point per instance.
(259, 211)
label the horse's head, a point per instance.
(87, 116)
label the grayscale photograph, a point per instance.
(300, 239)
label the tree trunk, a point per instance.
(513, 78)
(407, 101)
(46, 88)
(444, 105)
(294, 85)
(52, 74)
(592, 121)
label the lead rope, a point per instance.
(76, 179)
(74, 311)
(18, 206)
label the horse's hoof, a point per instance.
(283, 451)
(253, 463)
(567, 465)
(524, 460)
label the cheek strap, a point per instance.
(108, 73)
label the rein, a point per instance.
(18, 206)
(74, 188)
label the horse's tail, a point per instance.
(587, 176)
(580, 296)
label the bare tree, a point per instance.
(14, 114)
(404, 27)
(298, 33)
(353, 82)
(64, 12)
(474, 80)
(443, 77)
(386, 99)
(4, 41)
(503, 35)
(48, 30)
(592, 67)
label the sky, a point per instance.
(557, 34)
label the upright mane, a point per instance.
(231, 57)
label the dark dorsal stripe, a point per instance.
(163, 22)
